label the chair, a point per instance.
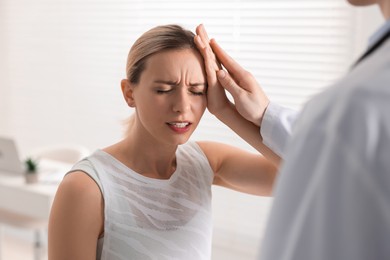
(67, 153)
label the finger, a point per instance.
(201, 31)
(202, 42)
(228, 83)
(199, 43)
(207, 53)
(228, 62)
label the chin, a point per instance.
(177, 141)
(362, 2)
(183, 141)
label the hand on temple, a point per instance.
(243, 117)
(249, 98)
(217, 100)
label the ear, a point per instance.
(128, 92)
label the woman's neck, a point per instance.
(145, 155)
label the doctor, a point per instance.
(332, 199)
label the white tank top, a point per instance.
(148, 218)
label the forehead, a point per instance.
(174, 63)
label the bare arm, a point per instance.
(240, 170)
(223, 109)
(76, 219)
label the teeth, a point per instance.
(179, 125)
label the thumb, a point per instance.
(228, 83)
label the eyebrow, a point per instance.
(167, 82)
(173, 83)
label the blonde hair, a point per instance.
(156, 40)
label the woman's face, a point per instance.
(170, 97)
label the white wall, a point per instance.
(46, 73)
(4, 94)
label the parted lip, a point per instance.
(179, 123)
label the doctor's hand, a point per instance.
(243, 117)
(249, 98)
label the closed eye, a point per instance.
(198, 89)
(163, 91)
(197, 93)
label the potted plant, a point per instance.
(31, 172)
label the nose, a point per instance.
(181, 102)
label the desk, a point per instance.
(32, 200)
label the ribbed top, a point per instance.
(147, 218)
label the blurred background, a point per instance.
(61, 62)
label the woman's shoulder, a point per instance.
(77, 193)
(209, 150)
(78, 182)
(200, 149)
(216, 149)
(90, 168)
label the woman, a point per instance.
(149, 195)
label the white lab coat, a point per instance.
(332, 196)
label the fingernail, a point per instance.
(221, 74)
